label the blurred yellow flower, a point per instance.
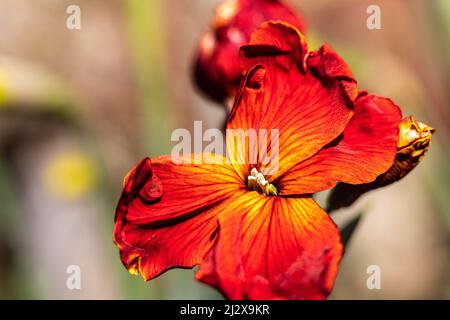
(70, 176)
(3, 86)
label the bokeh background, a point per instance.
(79, 108)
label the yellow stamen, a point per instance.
(257, 182)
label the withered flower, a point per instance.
(413, 142)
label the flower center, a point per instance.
(257, 182)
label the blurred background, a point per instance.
(79, 108)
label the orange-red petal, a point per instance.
(166, 216)
(329, 66)
(273, 248)
(280, 92)
(366, 149)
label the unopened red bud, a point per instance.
(216, 71)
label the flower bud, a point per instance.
(414, 140)
(217, 72)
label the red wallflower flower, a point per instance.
(217, 72)
(257, 235)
